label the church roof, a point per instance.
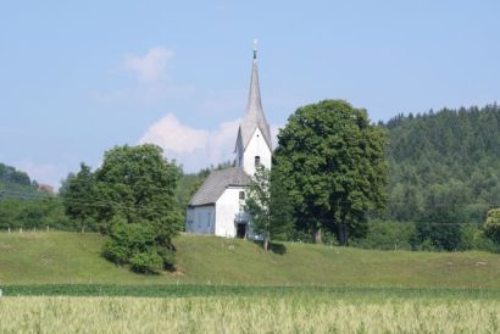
(254, 117)
(216, 183)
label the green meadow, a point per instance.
(56, 282)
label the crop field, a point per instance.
(292, 310)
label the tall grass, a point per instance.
(292, 313)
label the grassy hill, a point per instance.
(61, 257)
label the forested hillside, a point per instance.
(22, 205)
(444, 166)
(16, 184)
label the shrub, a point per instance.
(146, 262)
(491, 226)
(135, 244)
(443, 235)
(387, 235)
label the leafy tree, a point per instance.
(132, 198)
(257, 204)
(79, 196)
(268, 206)
(491, 226)
(37, 213)
(332, 162)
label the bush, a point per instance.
(387, 235)
(137, 244)
(446, 235)
(491, 226)
(34, 214)
(146, 262)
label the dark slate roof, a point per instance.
(216, 183)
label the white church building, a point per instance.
(217, 208)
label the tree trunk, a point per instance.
(316, 234)
(266, 244)
(341, 233)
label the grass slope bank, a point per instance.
(70, 258)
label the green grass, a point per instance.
(73, 258)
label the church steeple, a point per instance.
(253, 145)
(254, 117)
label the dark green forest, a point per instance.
(444, 166)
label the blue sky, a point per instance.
(78, 78)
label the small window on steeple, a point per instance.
(242, 195)
(257, 161)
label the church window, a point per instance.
(257, 161)
(242, 195)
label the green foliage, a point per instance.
(439, 235)
(444, 166)
(268, 206)
(492, 225)
(33, 214)
(11, 175)
(79, 196)
(134, 244)
(387, 235)
(15, 184)
(331, 160)
(257, 203)
(131, 197)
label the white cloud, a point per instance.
(195, 148)
(170, 134)
(43, 173)
(150, 67)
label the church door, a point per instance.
(241, 231)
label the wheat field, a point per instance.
(247, 314)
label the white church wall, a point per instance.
(257, 146)
(201, 220)
(228, 206)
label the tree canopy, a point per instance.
(332, 162)
(444, 166)
(131, 197)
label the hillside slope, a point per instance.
(444, 166)
(17, 184)
(61, 257)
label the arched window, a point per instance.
(242, 195)
(257, 161)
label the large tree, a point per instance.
(78, 194)
(332, 162)
(132, 198)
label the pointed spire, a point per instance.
(254, 117)
(254, 49)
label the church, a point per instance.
(217, 208)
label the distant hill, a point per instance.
(17, 184)
(445, 165)
(63, 257)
